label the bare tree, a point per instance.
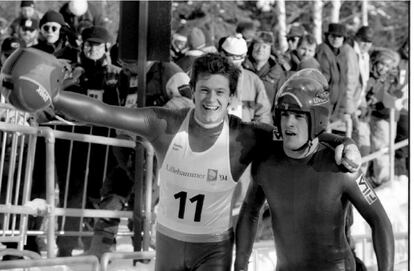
(281, 10)
(364, 12)
(317, 20)
(336, 6)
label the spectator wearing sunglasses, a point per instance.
(27, 11)
(28, 32)
(53, 37)
(293, 37)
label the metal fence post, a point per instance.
(391, 149)
(49, 136)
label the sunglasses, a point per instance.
(292, 39)
(335, 36)
(46, 28)
(24, 29)
(233, 57)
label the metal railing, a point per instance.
(9, 208)
(31, 134)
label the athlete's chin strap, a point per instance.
(307, 148)
(308, 145)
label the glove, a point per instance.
(38, 206)
(349, 156)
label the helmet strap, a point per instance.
(304, 151)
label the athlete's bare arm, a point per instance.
(247, 225)
(363, 197)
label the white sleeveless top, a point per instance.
(196, 189)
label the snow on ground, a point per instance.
(393, 195)
(394, 198)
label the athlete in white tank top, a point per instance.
(195, 201)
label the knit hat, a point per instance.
(181, 34)
(31, 24)
(296, 31)
(52, 16)
(96, 34)
(196, 39)
(234, 45)
(265, 37)
(365, 34)
(9, 45)
(337, 30)
(26, 4)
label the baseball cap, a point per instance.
(27, 23)
(96, 34)
(9, 45)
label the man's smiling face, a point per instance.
(211, 97)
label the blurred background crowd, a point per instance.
(366, 66)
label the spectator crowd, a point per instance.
(365, 83)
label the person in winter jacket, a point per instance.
(383, 94)
(339, 65)
(260, 61)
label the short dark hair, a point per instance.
(309, 39)
(214, 63)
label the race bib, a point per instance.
(235, 108)
(96, 94)
(133, 81)
(131, 100)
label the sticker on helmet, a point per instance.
(29, 83)
(321, 98)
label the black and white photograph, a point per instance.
(189, 135)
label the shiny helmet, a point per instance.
(30, 78)
(306, 92)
